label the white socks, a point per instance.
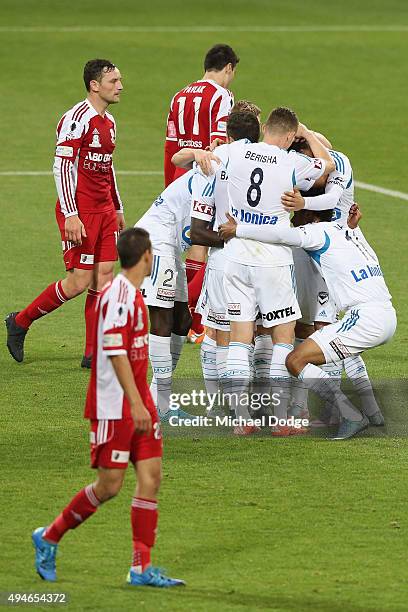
(299, 392)
(320, 382)
(357, 372)
(208, 354)
(176, 346)
(280, 378)
(237, 377)
(162, 365)
(263, 356)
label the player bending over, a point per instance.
(355, 282)
(123, 420)
(338, 193)
(89, 210)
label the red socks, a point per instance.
(82, 506)
(195, 283)
(90, 315)
(50, 299)
(144, 517)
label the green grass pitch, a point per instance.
(257, 524)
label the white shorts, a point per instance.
(167, 282)
(312, 294)
(212, 303)
(258, 291)
(362, 327)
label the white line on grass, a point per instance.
(367, 186)
(206, 28)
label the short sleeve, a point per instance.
(307, 168)
(117, 322)
(202, 197)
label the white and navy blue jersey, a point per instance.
(347, 262)
(168, 218)
(339, 191)
(209, 202)
(258, 174)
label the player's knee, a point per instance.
(161, 321)
(294, 363)
(182, 321)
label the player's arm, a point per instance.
(293, 200)
(117, 199)
(69, 140)
(124, 374)
(317, 147)
(203, 212)
(170, 147)
(309, 237)
(186, 157)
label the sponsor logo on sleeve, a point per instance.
(204, 209)
(120, 456)
(222, 126)
(318, 164)
(112, 341)
(64, 151)
(171, 130)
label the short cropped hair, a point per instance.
(300, 145)
(247, 107)
(243, 125)
(132, 243)
(219, 56)
(282, 120)
(94, 70)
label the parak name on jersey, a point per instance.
(262, 159)
(245, 216)
(194, 89)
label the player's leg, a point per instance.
(54, 296)
(146, 455)
(105, 256)
(102, 274)
(81, 507)
(181, 314)
(195, 268)
(356, 372)
(303, 362)
(208, 357)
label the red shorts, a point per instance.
(99, 244)
(114, 442)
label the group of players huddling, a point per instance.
(269, 295)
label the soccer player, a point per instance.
(259, 277)
(89, 210)
(208, 211)
(355, 282)
(338, 193)
(123, 420)
(197, 116)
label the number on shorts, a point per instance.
(255, 187)
(167, 281)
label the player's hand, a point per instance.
(228, 230)
(74, 230)
(121, 221)
(302, 131)
(216, 143)
(141, 418)
(354, 217)
(292, 200)
(204, 159)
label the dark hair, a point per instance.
(283, 120)
(94, 69)
(219, 56)
(246, 107)
(132, 243)
(324, 215)
(300, 145)
(243, 125)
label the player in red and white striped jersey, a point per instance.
(89, 210)
(123, 419)
(198, 114)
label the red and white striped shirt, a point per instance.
(83, 168)
(121, 329)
